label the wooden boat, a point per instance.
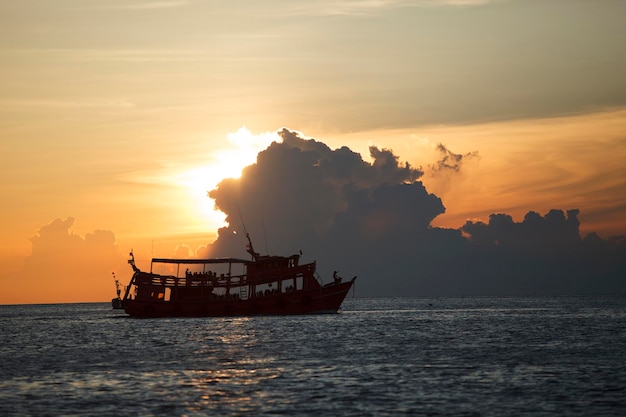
(265, 285)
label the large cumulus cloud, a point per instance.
(303, 192)
(372, 219)
(66, 267)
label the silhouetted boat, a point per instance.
(266, 285)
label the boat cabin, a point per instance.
(222, 279)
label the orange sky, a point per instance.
(121, 114)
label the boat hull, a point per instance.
(326, 299)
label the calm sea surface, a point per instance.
(395, 356)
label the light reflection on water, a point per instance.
(457, 356)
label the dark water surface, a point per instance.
(394, 356)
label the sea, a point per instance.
(461, 356)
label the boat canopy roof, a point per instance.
(201, 261)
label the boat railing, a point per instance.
(258, 277)
(194, 281)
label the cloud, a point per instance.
(367, 218)
(299, 187)
(546, 254)
(450, 161)
(140, 5)
(373, 219)
(21, 104)
(66, 267)
(113, 55)
(369, 7)
(538, 234)
(183, 252)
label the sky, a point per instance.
(117, 117)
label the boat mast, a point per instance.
(250, 248)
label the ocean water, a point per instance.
(541, 356)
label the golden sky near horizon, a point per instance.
(122, 113)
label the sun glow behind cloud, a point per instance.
(226, 163)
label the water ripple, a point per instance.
(448, 357)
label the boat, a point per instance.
(263, 285)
